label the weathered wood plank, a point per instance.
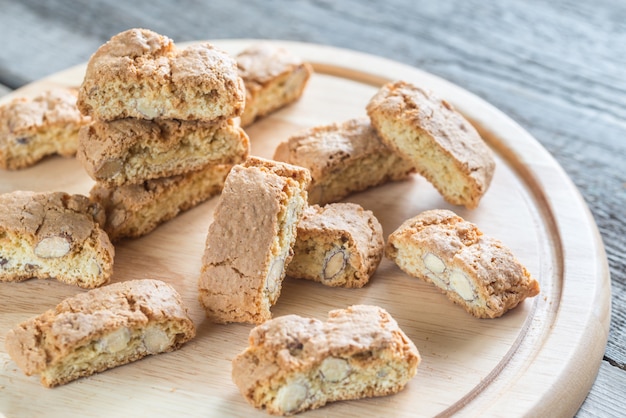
(4, 90)
(601, 403)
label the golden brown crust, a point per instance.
(444, 147)
(93, 322)
(33, 128)
(131, 151)
(343, 158)
(273, 77)
(295, 364)
(251, 239)
(137, 209)
(473, 270)
(53, 235)
(340, 244)
(141, 74)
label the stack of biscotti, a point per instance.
(164, 131)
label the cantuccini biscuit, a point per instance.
(273, 77)
(444, 147)
(473, 270)
(295, 364)
(33, 128)
(141, 74)
(343, 158)
(135, 210)
(130, 151)
(340, 244)
(53, 235)
(100, 329)
(250, 240)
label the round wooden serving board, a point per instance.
(539, 359)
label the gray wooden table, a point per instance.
(556, 67)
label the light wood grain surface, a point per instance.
(556, 67)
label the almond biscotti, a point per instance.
(100, 329)
(343, 158)
(54, 235)
(273, 77)
(295, 364)
(131, 151)
(340, 244)
(135, 210)
(473, 270)
(141, 74)
(443, 146)
(251, 240)
(36, 127)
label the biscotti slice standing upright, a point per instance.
(135, 210)
(295, 364)
(444, 147)
(473, 270)
(131, 151)
(100, 329)
(340, 244)
(54, 235)
(273, 77)
(251, 240)
(343, 158)
(33, 128)
(141, 74)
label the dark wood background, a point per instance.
(556, 67)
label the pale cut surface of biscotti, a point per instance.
(473, 270)
(137, 209)
(54, 235)
(130, 151)
(295, 364)
(100, 329)
(36, 127)
(274, 78)
(141, 74)
(343, 158)
(251, 240)
(444, 147)
(338, 245)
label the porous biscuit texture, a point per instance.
(274, 78)
(141, 74)
(251, 240)
(295, 364)
(338, 245)
(444, 147)
(475, 271)
(343, 158)
(100, 329)
(54, 235)
(32, 128)
(131, 151)
(137, 209)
